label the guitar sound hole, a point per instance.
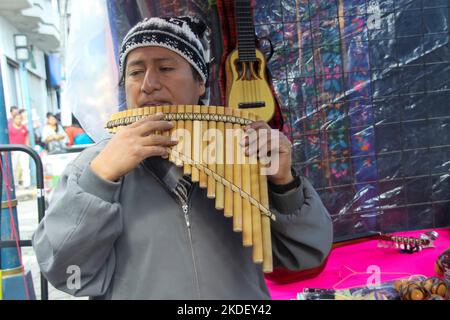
(247, 70)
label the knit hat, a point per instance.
(181, 35)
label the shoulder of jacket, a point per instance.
(88, 154)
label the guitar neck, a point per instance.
(245, 30)
(404, 240)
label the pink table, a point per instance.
(357, 264)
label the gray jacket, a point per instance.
(131, 239)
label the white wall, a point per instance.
(7, 31)
(6, 50)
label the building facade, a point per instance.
(40, 21)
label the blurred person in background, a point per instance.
(12, 111)
(53, 135)
(18, 134)
(36, 127)
(76, 134)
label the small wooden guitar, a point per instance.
(247, 85)
(407, 244)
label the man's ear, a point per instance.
(201, 88)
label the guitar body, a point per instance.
(247, 85)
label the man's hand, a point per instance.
(272, 144)
(132, 144)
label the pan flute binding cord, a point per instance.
(209, 152)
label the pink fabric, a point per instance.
(348, 266)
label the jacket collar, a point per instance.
(167, 172)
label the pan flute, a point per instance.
(209, 151)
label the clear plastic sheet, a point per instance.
(91, 90)
(364, 87)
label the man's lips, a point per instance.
(155, 103)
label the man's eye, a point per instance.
(134, 73)
(166, 68)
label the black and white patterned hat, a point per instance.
(179, 34)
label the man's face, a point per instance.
(158, 76)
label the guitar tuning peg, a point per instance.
(396, 245)
(402, 246)
(408, 247)
(424, 237)
(379, 244)
(433, 235)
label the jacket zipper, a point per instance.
(185, 207)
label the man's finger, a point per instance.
(261, 132)
(249, 139)
(153, 125)
(257, 125)
(251, 149)
(264, 149)
(152, 151)
(159, 140)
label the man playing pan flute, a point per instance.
(135, 227)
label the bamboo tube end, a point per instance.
(227, 214)
(247, 244)
(187, 169)
(267, 269)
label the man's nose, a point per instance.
(151, 82)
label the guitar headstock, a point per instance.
(407, 244)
